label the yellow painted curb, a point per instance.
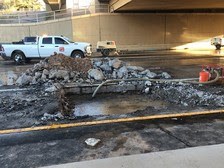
(120, 120)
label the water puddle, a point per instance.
(109, 104)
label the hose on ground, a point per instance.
(208, 82)
(188, 80)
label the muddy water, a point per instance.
(110, 104)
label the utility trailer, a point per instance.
(106, 47)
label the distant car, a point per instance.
(106, 47)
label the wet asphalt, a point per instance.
(42, 148)
(183, 63)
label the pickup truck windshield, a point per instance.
(70, 41)
(60, 41)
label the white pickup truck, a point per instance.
(44, 46)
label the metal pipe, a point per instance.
(188, 80)
(140, 79)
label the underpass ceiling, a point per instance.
(147, 5)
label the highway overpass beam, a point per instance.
(116, 4)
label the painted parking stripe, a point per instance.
(110, 121)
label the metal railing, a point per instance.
(40, 16)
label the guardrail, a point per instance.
(40, 16)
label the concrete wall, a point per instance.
(9, 33)
(86, 29)
(150, 31)
(63, 27)
(130, 31)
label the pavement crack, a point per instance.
(172, 135)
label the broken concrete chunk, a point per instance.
(72, 74)
(59, 74)
(144, 72)
(122, 72)
(43, 77)
(45, 72)
(38, 66)
(92, 141)
(51, 89)
(62, 74)
(97, 62)
(105, 67)
(24, 80)
(11, 78)
(148, 83)
(52, 74)
(135, 68)
(134, 74)
(37, 75)
(115, 63)
(147, 90)
(52, 116)
(96, 74)
(151, 74)
(166, 75)
(114, 75)
(34, 81)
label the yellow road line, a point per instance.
(120, 120)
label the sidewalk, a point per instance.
(198, 157)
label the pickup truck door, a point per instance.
(63, 46)
(46, 47)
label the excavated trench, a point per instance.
(42, 105)
(113, 104)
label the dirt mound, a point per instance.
(60, 61)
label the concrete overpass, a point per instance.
(149, 5)
(160, 5)
(137, 24)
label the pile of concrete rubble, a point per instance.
(62, 69)
(186, 94)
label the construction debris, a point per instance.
(62, 69)
(44, 98)
(92, 141)
(56, 68)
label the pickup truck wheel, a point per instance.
(18, 57)
(218, 46)
(77, 54)
(105, 53)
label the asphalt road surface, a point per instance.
(180, 64)
(42, 148)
